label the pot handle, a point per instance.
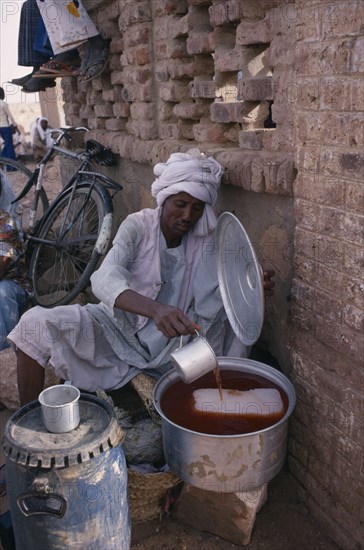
(34, 503)
(181, 340)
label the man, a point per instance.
(158, 282)
(14, 282)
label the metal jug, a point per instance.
(194, 359)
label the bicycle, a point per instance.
(66, 239)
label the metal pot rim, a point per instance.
(233, 363)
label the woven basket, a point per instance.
(144, 386)
(147, 493)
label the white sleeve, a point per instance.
(113, 276)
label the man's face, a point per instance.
(179, 214)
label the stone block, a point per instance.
(134, 13)
(142, 55)
(170, 7)
(169, 131)
(228, 515)
(115, 124)
(233, 11)
(341, 19)
(209, 133)
(104, 110)
(191, 111)
(253, 32)
(198, 43)
(121, 109)
(173, 91)
(354, 197)
(324, 59)
(255, 89)
(251, 139)
(182, 68)
(202, 89)
(142, 111)
(234, 59)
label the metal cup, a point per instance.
(194, 359)
(60, 408)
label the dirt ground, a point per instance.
(283, 523)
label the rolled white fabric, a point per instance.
(192, 173)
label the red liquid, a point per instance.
(177, 405)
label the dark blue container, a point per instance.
(67, 490)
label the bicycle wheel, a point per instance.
(78, 229)
(18, 175)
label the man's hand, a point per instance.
(172, 322)
(268, 284)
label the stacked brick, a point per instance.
(273, 90)
(327, 347)
(195, 73)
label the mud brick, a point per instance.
(115, 124)
(209, 133)
(148, 130)
(121, 109)
(180, 69)
(186, 130)
(234, 10)
(142, 55)
(137, 35)
(202, 89)
(193, 19)
(133, 13)
(142, 111)
(253, 32)
(251, 139)
(169, 131)
(104, 110)
(117, 45)
(169, 7)
(192, 111)
(324, 59)
(173, 91)
(354, 198)
(341, 19)
(222, 112)
(255, 89)
(198, 43)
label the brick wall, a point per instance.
(326, 444)
(273, 90)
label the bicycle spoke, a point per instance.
(74, 228)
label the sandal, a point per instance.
(97, 65)
(94, 70)
(53, 74)
(54, 69)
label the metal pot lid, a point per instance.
(27, 442)
(240, 278)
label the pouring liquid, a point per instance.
(177, 403)
(217, 374)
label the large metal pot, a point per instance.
(227, 463)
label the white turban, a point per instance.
(192, 173)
